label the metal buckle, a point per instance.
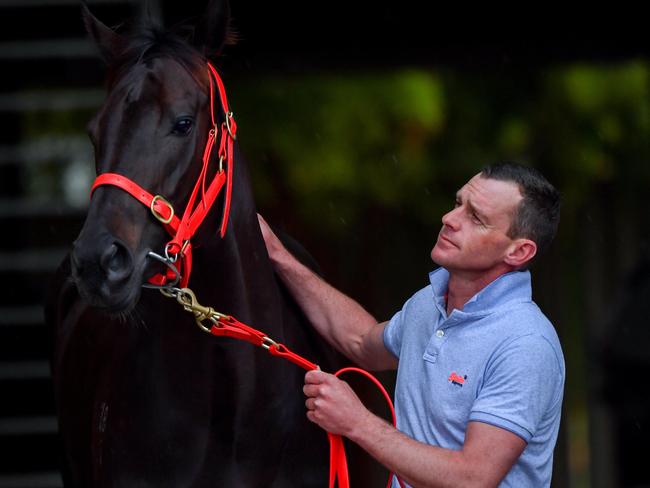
(156, 214)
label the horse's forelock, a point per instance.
(150, 42)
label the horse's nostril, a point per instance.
(109, 259)
(116, 261)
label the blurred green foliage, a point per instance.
(347, 140)
(406, 139)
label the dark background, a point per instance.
(360, 121)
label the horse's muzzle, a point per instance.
(103, 270)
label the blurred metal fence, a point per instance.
(50, 83)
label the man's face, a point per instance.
(474, 237)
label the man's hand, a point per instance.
(332, 404)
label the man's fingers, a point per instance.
(310, 390)
(315, 377)
(262, 221)
(267, 233)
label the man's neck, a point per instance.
(463, 286)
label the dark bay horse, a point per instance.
(144, 397)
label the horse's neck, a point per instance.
(244, 273)
(235, 272)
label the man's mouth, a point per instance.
(447, 240)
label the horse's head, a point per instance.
(152, 129)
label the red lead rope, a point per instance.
(228, 326)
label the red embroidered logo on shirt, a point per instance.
(456, 379)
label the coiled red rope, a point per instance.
(228, 326)
(337, 450)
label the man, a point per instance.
(480, 370)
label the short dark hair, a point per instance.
(538, 214)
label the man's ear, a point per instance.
(109, 43)
(520, 252)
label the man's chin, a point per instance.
(438, 257)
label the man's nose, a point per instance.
(451, 219)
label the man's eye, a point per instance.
(183, 126)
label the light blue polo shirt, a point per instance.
(497, 361)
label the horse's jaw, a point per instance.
(110, 302)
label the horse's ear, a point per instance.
(214, 30)
(109, 42)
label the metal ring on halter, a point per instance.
(159, 216)
(228, 126)
(167, 256)
(170, 265)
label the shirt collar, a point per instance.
(513, 286)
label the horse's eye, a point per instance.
(183, 126)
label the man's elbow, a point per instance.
(478, 481)
(477, 475)
(373, 360)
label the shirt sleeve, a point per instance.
(521, 384)
(412, 311)
(393, 332)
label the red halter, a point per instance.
(182, 230)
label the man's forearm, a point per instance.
(418, 464)
(340, 320)
(337, 317)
